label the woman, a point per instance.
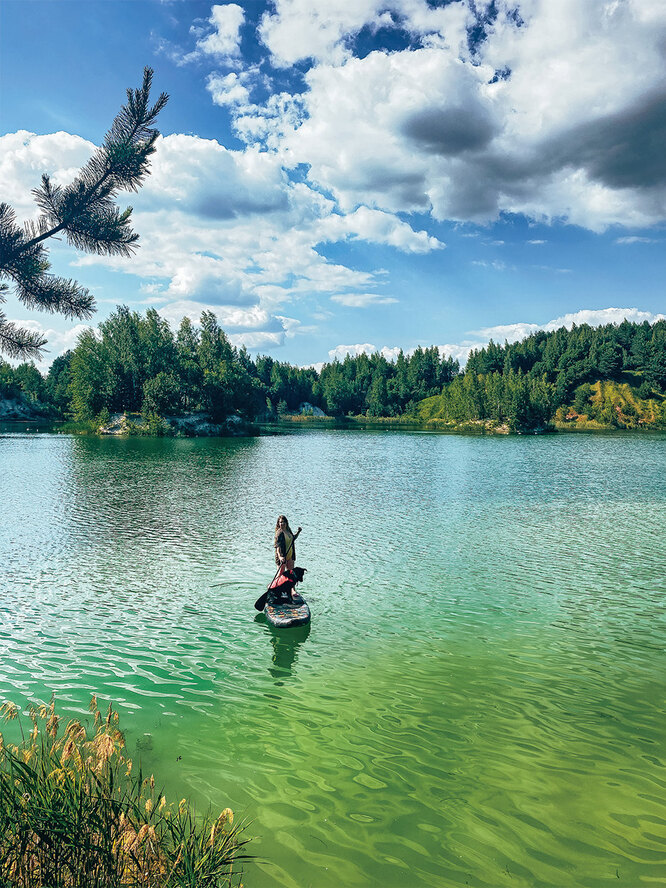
(285, 551)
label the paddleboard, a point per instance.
(284, 614)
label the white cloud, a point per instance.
(321, 30)
(504, 332)
(557, 114)
(625, 241)
(24, 157)
(224, 41)
(599, 317)
(227, 90)
(592, 317)
(460, 351)
(375, 226)
(495, 264)
(362, 300)
(201, 244)
(515, 332)
(341, 351)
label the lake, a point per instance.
(479, 700)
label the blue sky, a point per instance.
(345, 175)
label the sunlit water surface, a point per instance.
(479, 700)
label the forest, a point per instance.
(613, 375)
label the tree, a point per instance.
(189, 371)
(161, 394)
(85, 213)
(58, 382)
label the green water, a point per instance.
(479, 700)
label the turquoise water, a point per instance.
(479, 700)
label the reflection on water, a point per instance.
(286, 643)
(482, 704)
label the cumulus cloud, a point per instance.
(557, 112)
(375, 226)
(201, 243)
(459, 352)
(24, 157)
(341, 351)
(227, 90)
(224, 41)
(323, 31)
(592, 317)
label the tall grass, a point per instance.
(74, 813)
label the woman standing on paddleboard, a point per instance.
(285, 550)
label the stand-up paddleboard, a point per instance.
(283, 614)
(281, 609)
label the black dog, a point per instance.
(282, 587)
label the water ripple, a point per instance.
(479, 699)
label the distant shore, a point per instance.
(201, 427)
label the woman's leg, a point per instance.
(290, 566)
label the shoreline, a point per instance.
(289, 424)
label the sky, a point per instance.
(337, 176)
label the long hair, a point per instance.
(277, 526)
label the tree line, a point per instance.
(525, 384)
(137, 363)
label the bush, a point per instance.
(72, 815)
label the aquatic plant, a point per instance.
(75, 812)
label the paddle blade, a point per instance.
(260, 603)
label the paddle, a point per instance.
(260, 603)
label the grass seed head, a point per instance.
(9, 710)
(52, 725)
(68, 749)
(227, 816)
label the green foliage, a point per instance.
(372, 385)
(9, 387)
(135, 363)
(161, 394)
(551, 375)
(30, 381)
(74, 812)
(85, 213)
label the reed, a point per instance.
(75, 813)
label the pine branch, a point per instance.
(17, 342)
(122, 163)
(104, 232)
(87, 215)
(56, 295)
(28, 267)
